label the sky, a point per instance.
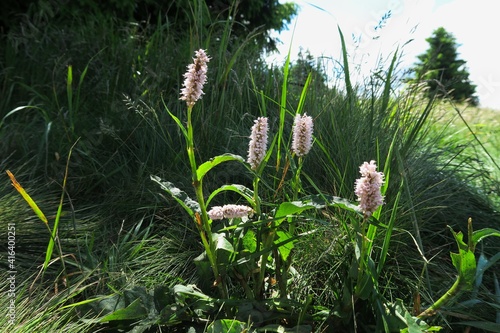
(474, 24)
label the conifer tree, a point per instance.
(442, 70)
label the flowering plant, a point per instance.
(248, 245)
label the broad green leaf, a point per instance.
(226, 326)
(189, 205)
(213, 162)
(285, 249)
(479, 235)
(182, 293)
(244, 191)
(135, 310)
(250, 241)
(221, 243)
(287, 209)
(459, 239)
(465, 263)
(321, 201)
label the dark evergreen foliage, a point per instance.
(442, 70)
(249, 16)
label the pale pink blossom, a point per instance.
(216, 213)
(368, 188)
(195, 78)
(258, 143)
(302, 135)
(229, 212)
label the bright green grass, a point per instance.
(476, 133)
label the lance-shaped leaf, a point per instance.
(244, 191)
(287, 247)
(135, 310)
(27, 197)
(189, 205)
(288, 209)
(479, 235)
(213, 162)
(464, 261)
(221, 243)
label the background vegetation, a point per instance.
(443, 71)
(81, 81)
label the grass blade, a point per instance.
(27, 197)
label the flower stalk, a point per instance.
(195, 78)
(368, 191)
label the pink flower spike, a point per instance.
(258, 143)
(216, 213)
(368, 188)
(195, 78)
(302, 135)
(236, 211)
(229, 212)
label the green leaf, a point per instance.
(182, 293)
(459, 239)
(365, 287)
(465, 263)
(221, 243)
(287, 209)
(207, 166)
(321, 201)
(177, 120)
(479, 235)
(285, 249)
(135, 310)
(244, 191)
(189, 205)
(347, 78)
(226, 326)
(250, 241)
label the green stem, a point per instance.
(256, 199)
(448, 295)
(206, 232)
(362, 243)
(268, 241)
(283, 274)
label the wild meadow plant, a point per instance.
(252, 244)
(275, 218)
(248, 248)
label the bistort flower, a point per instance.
(216, 213)
(302, 134)
(195, 78)
(229, 212)
(258, 143)
(368, 188)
